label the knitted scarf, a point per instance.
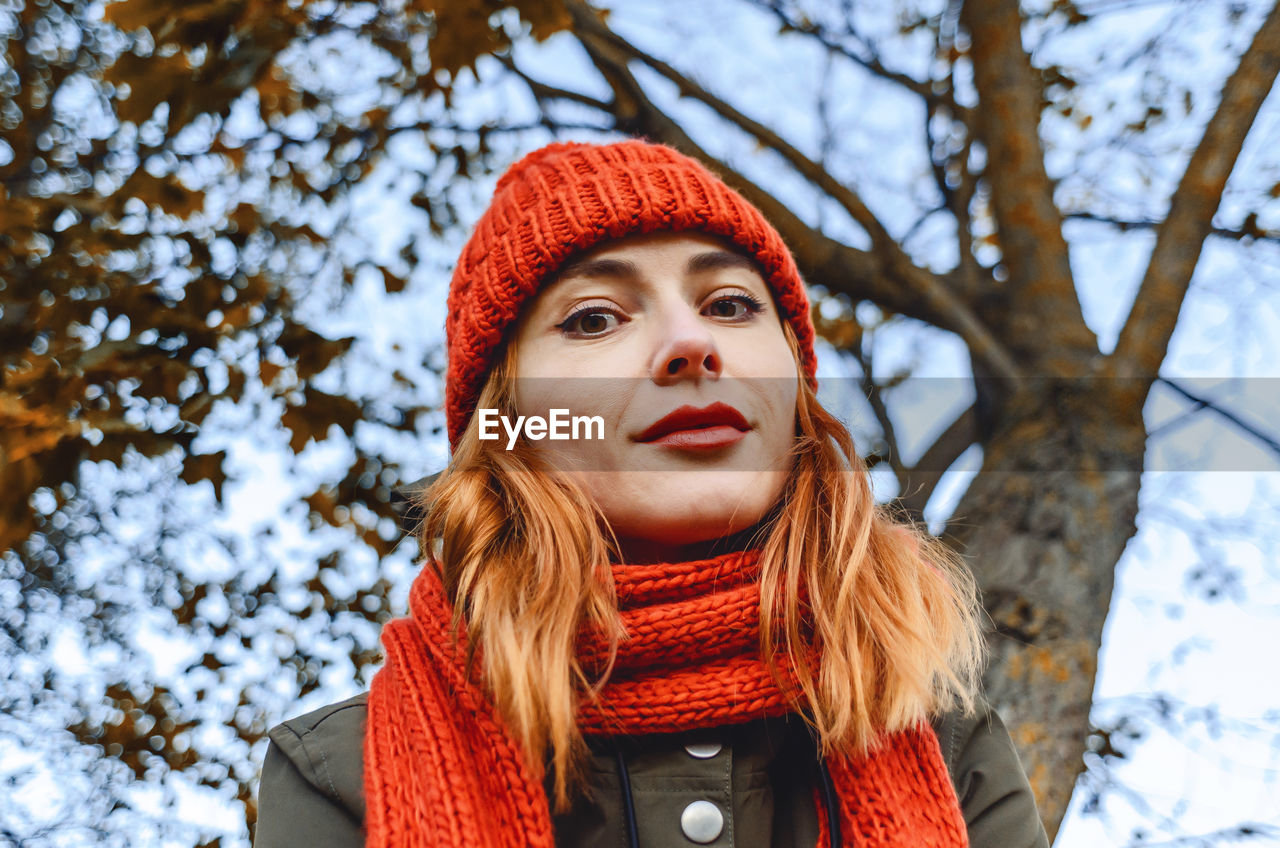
(441, 770)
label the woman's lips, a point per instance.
(701, 439)
(700, 430)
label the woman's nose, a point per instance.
(686, 348)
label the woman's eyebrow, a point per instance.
(716, 259)
(698, 263)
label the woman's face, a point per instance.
(631, 332)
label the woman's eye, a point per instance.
(727, 307)
(589, 321)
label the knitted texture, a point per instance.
(441, 769)
(567, 197)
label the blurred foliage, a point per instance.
(132, 255)
(169, 180)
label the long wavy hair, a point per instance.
(894, 610)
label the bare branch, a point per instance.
(968, 278)
(920, 481)
(1145, 337)
(542, 91)
(871, 62)
(1204, 403)
(969, 275)
(880, 409)
(1250, 231)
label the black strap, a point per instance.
(828, 789)
(628, 806)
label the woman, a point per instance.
(698, 628)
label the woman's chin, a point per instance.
(684, 530)
(663, 515)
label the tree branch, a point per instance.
(1204, 403)
(1144, 339)
(542, 91)
(968, 273)
(920, 480)
(1028, 223)
(1249, 231)
(921, 88)
(879, 408)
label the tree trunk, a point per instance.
(1058, 494)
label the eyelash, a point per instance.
(754, 307)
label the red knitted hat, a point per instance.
(569, 196)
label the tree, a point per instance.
(178, 198)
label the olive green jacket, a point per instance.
(760, 777)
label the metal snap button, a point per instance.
(703, 750)
(702, 821)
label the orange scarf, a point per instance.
(441, 770)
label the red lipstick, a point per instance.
(690, 428)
